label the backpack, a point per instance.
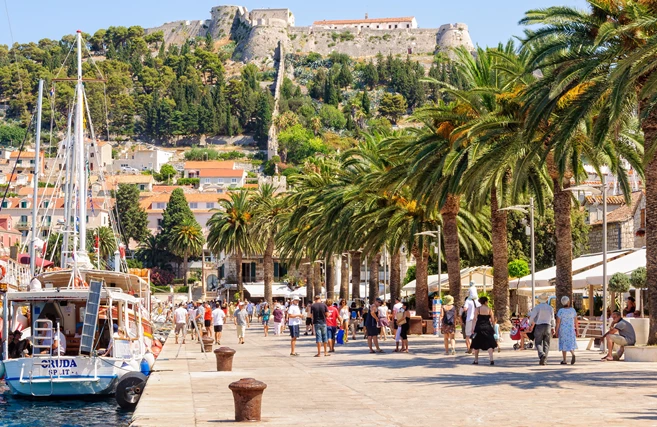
(448, 318)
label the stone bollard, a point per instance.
(224, 357)
(247, 394)
(207, 342)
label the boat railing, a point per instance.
(17, 274)
(43, 342)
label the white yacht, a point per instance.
(89, 329)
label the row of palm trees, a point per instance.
(517, 123)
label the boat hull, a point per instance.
(65, 375)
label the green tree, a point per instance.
(132, 219)
(392, 106)
(344, 78)
(332, 117)
(167, 173)
(230, 230)
(263, 120)
(518, 268)
(369, 75)
(187, 241)
(174, 214)
(365, 103)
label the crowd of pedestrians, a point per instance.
(332, 322)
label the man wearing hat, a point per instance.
(294, 321)
(541, 319)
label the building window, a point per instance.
(23, 205)
(408, 25)
(207, 180)
(45, 203)
(233, 180)
(142, 187)
(91, 155)
(193, 205)
(160, 205)
(210, 205)
(159, 222)
(5, 204)
(643, 218)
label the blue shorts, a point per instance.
(294, 331)
(331, 332)
(320, 332)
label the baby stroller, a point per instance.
(520, 326)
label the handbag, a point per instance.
(401, 319)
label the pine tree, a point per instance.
(263, 117)
(175, 213)
(133, 220)
(365, 102)
(331, 95)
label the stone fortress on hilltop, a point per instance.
(258, 33)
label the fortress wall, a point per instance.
(367, 42)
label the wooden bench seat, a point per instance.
(590, 329)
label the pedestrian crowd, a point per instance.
(337, 322)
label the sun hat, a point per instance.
(565, 300)
(448, 300)
(543, 298)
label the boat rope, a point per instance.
(12, 175)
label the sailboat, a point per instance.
(91, 332)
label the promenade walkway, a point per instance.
(424, 388)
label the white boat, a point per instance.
(79, 305)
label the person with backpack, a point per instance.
(404, 322)
(448, 327)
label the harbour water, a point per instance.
(17, 412)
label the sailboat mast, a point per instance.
(35, 183)
(80, 157)
(68, 189)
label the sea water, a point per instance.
(21, 412)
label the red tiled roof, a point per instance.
(213, 164)
(624, 212)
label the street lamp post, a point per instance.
(532, 244)
(438, 234)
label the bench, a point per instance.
(590, 329)
(72, 346)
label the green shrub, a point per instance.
(638, 278)
(619, 282)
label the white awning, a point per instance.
(547, 276)
(257, 290)
(625, 264)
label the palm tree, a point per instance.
(267, 207)
(230, 230)
(594, 71)
(150, 251)
(106, 244)
(187, 241)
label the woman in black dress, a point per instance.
(484, 331)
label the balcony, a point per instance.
(23, 225)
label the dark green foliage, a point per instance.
(176, 212)
(370, 76)
(264, 109)
(365, 102)
(11, 134)
(133, 220)
(188, 181)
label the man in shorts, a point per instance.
(181, 318)
(621, 333)
(241, 320)
(294, 322)
(207, 318)
(218, 316)
(318, 312)
(191, 316)
(332, 321)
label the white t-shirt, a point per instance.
(192, 313)
(218, 316)
(180, 315)
(471, 306)
(294, 321)
(383, 311)
(61, 342)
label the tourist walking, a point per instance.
(191, 318)
(345, 315)
(309, 320)
(241, 321)
(468, 317)
(278, 318)
(567, 330)
(249, 309)
(355, 317)
(231, 310)
(218, 317)
(318, 312)
(265, 313)
(372, 328)
(294, 317)
(395, 310)
(484, 331)
(541, 321)
(404, 320)
(448, 324)
(181, 318)
(207, 318)
(332, 321)
(384, 323)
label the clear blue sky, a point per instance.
(490, 21)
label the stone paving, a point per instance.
(423, 388)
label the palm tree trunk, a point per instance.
(317, 278)
(268, 261)
(374, 277)
(330, 277)
(310, 289)
(238, 271)
(452, 249)
(344, 277)
(185, 259)
(564, 242)
(421, 281)
(355, 275)
(395, 275)
(500, 262)
(649, 127)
